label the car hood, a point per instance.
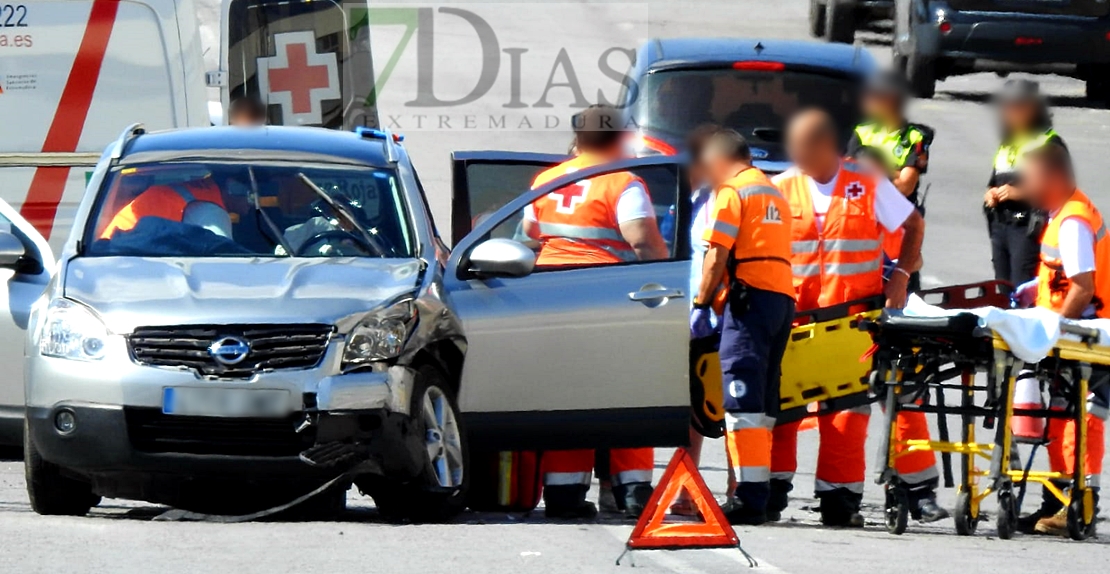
(130, 292)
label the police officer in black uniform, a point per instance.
(1015, 227)
(902, 146)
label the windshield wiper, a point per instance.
(280, 237)
(345, 213)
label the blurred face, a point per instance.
(808, 149)
(1044, 188)
(715, 168)
(1019, 116)
(244, 119)
(881, 106)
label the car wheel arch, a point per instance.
(447, 355)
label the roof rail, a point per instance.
(132, 131)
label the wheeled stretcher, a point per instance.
(918, 358)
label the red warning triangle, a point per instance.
(651, 533)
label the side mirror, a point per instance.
(501, 258)
(11, 250)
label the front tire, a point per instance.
(966, 522)
(922, 77)
(1098, 88)
(438, 493)
(840, 22)
(897, 511)
(52, 493)
(817, 17)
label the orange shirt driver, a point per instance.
(165, 201)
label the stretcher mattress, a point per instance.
(1030, 334)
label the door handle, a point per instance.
(655, 294)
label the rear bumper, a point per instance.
(1007, 42)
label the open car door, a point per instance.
(26, 265)
(587, 356)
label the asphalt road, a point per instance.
(119, 536)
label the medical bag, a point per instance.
(506, 481)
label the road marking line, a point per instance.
(668, 560)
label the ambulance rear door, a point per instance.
(73, 74)
(307, 61)
(587, 356)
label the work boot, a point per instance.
(567, 502)
(1050, 505)
(929, 511)
(840, 508)
(633, 497)
(1055, 525)
(738, 514)
(779, 500)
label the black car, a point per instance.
(937, 39)
(750, 85)
(838, 20)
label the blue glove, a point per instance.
(1025, 295)
(701, 325)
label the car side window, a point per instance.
(597, 221)
(493, 185)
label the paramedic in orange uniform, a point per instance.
(749, 247)
(841, 213)
(174, 202)
(1073, 279)
(603, 220)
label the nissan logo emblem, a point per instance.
(229, 350)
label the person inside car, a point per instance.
(247, 111)
(197, 202)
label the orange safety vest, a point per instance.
(751, 216)
(165, 201)
(1052, 284)
(578, 223)
(843, 261)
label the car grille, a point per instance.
(271, 347)
(152, 431)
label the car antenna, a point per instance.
(759, 47)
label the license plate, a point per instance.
(215, 402)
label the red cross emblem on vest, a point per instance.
(298, 78)
(568, 198)
(854, 190)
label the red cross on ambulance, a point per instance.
(298, 78)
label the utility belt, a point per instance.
(1033, 219)
(739, 292)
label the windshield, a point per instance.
(216, 209)
(755, 103)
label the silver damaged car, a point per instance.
(240, 316)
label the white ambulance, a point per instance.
(74, 74)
